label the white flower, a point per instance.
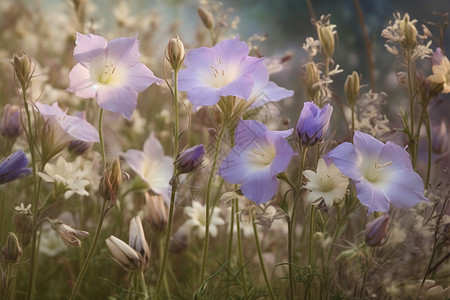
(23, 210)
(327, 183)
(65, 174)
(197, 220)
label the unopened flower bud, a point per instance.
(206, 17)
(313, 123)
(376, 231)
(312, 78)
(175, 53)
(22, 68)
(70, 236)
(77, 147)
(10, 125)
(156, 212)
(12, 251)
(326, 38)
(351, 87)
(190, 159)
(409, 32)
(111, 181)
(123, 254)
(440, 141)
(137, 240)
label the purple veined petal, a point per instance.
(234, 168)
(123, 51)
(260, 186)
(249, 64)
(160, 183)
(247, 132)
(366, 145)
(271, 92)
(203, 95)
(345, 158)
(135, 159)
(260, 76)
(396, 155)
(80, 82)
(14, 167)
(152, 147)
(199, 60)
(79, 129)
(231, 50)
(88, 48)
(405, 189)
(139, 78)
(189, 79)
(375, 199)
(119, 99)
(241, 87)
(283, 155)
(48, 111)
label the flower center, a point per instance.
(326, 184)
(262, 155)
(219, 76)
(374, 173)
(107, 76)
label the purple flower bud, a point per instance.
(437, 57)
(313, 123)
(190, 159)
(376, 231)
(77, 147)
(10, 126)
(14, 167)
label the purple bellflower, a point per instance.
(257, 157)
(382, 173)
(313, 123)
(110, 71)
(223, 70)
(190, 159)
(14, 167)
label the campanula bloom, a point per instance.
(151, 165)
(109, 71)
(257, 157)
(382, 173)
(14, 167)
(223, 70)
(313, 123)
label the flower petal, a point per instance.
(345, 158)
(375, 199)
(117, 99)
(283, 155)
(123, 51)
(203, 95)
(135, 159)
(233, 168)
(366, 145)
(271, 92)
(260, 187)
(139, 78)
(88, 47)
(247, 132)
(405, 189)
(80, 82)
(241, 87)
(231, 50)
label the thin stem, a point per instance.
(411, 94)
(230, 239)
(239, 242)
(352, 106)
(208, 200)
(261, 261)
(100, 134)
(143, 285)
(91, 251)
(312, 14)
(311, 236)
(428, 128)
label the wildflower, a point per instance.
(137, 240)
(123, 254)
(257, 157)
(66, 177)
(23, 210)
(441, 70)
(326, 183)
(10, 125)
(351, 87)
(111, 181)
(22, 68)
(60, 129)
(175, 53)
(223, 70)
(14, 167)
(109, 71)
(11, 251)
(156, 212)
(326, 34)
(206, 17)
(311, 46)
(382, 173)
(313, 123)
(151, 165)
(70, 236)
(190, 159)
(197, 220)
(376, 231)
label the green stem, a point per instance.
(411, 94)
(208, 200)
(91, 251)
(230, 239)
(143, 285)
(161, 254)
(261, 261)
(241, 255)
(428, 128)
(100, 134)
(311, 236)
(353, 118)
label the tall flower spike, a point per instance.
(223, 70)
(257, 157)
(110, 71)
(382, 173)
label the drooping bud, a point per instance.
(123, 254)
(12, 251)
(313, 123)
(156, 212)
(111, 181)
(70, 236)
(376, 231)
(351, 87)
(440, 140)
(206, 17)
(11, 126)
(175, 53)
(190, 159)
(137, 240)
(22, 68)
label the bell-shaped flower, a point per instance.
(124, 254)
(313, 123)
(110, 71)
(257, 157)
(223, 70)
(382, 173)
(14, 167)
(190, 159)
(151, 165)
